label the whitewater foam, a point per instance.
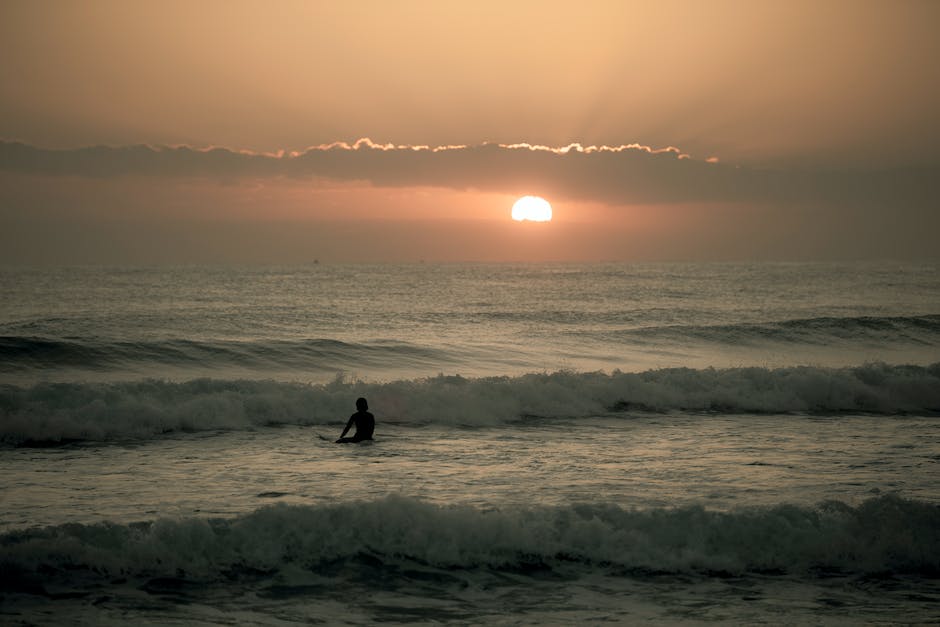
(143, 409)
(883, 535)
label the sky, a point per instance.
(289, 132)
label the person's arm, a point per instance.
(349, 425)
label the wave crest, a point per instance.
(885, 534)
(51, 412)
(36, 353)
(821, 331)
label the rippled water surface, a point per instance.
(635, 461)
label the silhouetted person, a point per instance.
(364, 421)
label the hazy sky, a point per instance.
(139, 132)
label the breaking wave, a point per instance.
(53, 412)
(397, 537)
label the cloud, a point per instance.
(619, 175)
(156, 204)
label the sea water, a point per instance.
(555, 443)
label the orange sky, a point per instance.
(822, 117)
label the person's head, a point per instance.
(361, 404)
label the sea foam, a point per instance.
(883, 535)
(50, 412)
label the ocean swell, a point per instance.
(821, 331)
(50, 412)
(40, 354)
(36, 353)
(882, 535)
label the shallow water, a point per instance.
(631, 460)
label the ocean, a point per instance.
(555, 444)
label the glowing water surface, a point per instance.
(634, 461)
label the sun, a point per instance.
(532, 208)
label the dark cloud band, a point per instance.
(617, 175)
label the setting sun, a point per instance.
(532, 208)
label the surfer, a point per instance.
(364, 421)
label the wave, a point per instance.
(890, 330)
(17, 353)
(54, 412)
(397, 536)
